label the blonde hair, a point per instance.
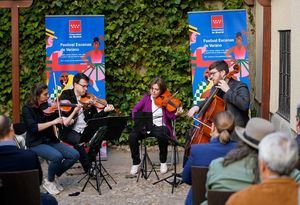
(224, 123)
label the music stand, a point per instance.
(175, 182)
(106, 128)
(143, 122)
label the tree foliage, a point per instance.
(143, 39)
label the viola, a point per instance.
(168, 101)
(213, 105)
(92, 100)
(64, 106)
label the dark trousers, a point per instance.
(161, 133)
(74, 138)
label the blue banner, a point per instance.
(75, 44)
(217, 35)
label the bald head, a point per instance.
(5, 126)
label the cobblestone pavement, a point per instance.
(127, 190)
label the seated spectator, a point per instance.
(278, 155)
(203, 154)
(239, 168)
(14, 159)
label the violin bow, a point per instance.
(57, 101)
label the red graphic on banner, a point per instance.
(75, 26)
(217, 21)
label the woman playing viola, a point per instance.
(161, 127)
(40, 137)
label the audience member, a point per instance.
(203, 154)
(14, 159)
(239, 168)
(278, 155)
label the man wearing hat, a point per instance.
(239, 168)
(278, 154)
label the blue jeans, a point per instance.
(61, 157)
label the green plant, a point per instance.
(143, 39)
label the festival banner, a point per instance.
(217, 35)
(75, 44)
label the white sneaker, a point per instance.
(134, 169)
(163, 168)
(57, 184)
(50, 187)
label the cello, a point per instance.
(213, 105)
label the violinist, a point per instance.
(40, 137)
(161, 128)
(73, 133)
(234, 93)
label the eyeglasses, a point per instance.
(213, 73)
(84, 86)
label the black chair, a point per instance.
(198, 184)
(20, 187)
(215, 197)
(20, 131)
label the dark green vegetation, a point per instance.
(143, 39)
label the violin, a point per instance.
(213, 105)
(92, 100)
(64, 106)
(167, 101)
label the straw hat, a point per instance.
(256, 129)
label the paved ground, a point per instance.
(127, 190)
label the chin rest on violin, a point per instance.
(168, 101)
(64, 106)
(92, 100)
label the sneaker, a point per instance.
(50, 187)
(134, 169)
(163, 168)
(57, 184)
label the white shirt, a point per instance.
(80, 124)
(157, 114)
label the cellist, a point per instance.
(234, 93)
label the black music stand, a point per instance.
(106, 128)
(177, 179)
(143, 122)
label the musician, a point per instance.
(41, 139)
(162, 128)
(73, 134)
(234, 93)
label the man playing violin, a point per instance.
(73, 134)
(161, 128)
(234, 93)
